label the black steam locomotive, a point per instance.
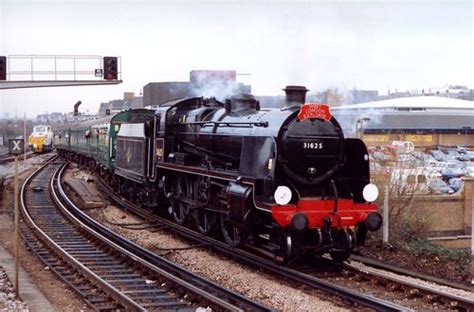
(285, 181)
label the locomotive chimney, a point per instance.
(76, 108)
(295, 96)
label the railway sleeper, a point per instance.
(168, 305)
(121, 276)
(142, 287)
(90, 256)
(88, 250)
(126, 282)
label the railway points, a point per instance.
(112, 289)
(452, 301)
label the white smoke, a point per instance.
(221, 89)
(353, 120)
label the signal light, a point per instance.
(3, 68)
(110, 68)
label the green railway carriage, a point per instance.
(93, 142)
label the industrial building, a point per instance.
(217, 83)
(425, 120)
(129, 101)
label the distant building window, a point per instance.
(410, 109)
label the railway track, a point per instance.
(406, 290)
(254, 261)
(6, 158)
(395, 269)
(411, 288)
(109, 272)
(413, 293)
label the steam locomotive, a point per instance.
(283, 181)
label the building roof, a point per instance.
(427, 102)
(428, 113)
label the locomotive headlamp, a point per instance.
(299, 222)
(373, 222)
(370, 192)
(282, 195)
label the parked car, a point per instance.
(438, 155)
(456, 184)
(381, 156)
(438, 186)
(434, 165)
(404, 146)
(470, 154)
(463, 157)
(452, 155)
(449, 173)
(469, 169)
(461, 149)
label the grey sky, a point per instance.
(367, 45)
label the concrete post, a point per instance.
(469, 216)
(385, 215)
(468, 204)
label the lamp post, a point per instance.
(360, 126)
(466, 129)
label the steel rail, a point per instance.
(5, 158)
(255, 261)
(452, 299)
(110, 289)
(395, 269)
(152, 261)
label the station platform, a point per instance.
(29, 293)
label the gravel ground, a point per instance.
(259, 286)
(8, 300)
(58, 293)
(7, 170)
(251, 283)
(453, 269)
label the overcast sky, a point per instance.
(347, 44)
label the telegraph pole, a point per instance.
(16, 148)
(17, 239)
(24, 135)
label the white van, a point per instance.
(404, 146)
